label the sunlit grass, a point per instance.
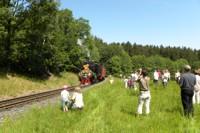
(19, 85)
(110, 109)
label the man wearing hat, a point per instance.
(196, 97)
(187, 82)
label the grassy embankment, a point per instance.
(110, 109)
(11, 86)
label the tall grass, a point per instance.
(110, 109)
(19, 85)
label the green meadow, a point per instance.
(16, 85)
(110, 109)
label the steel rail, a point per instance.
(23, 100)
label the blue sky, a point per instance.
(155, 22)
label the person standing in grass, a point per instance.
(144, 96)
(187, 82)
(177, 76)
(125, 82)
(196, 97)
(111, 80)
(134, 77)
(165, 78)
(155, 77)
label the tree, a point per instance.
(196, 65)
(126, 64)
(36, 52)
(11, 20)
(114, 66)
(111, 50)
(138, 61)
(180, 63)
(94, 52)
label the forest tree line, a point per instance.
(38, 38)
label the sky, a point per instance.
(152, 22)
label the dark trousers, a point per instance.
(186, 97)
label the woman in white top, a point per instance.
(77, 96)
(196, 96)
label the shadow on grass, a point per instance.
(127, 110)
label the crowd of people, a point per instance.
(189, 84)
(163, 75)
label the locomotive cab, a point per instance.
(92, 73)
(85, 75)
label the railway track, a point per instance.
(23, 100)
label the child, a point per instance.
(65, 100)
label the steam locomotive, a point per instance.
(91, 73)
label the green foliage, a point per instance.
(9, 24)
(159, 62)
(39, 39)
(138, 61)
(65, 39)
(110, 50)
(94, 52)
(180, 63)
(126, 64)
(196, 65)
(114, 65)
(173, 53)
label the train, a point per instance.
(92, 73)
